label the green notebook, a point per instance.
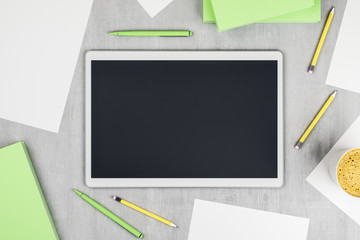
(231, 14)
(309, 15)
(23, 210)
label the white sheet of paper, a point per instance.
(214, 221)
(39, 47)
(153, 7)
(320, 178)
(344, 70)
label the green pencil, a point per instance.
(153, 33)
(110, 215)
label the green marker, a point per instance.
(109, 214)
(153, 33)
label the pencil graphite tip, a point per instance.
(333, 10)
(334, 93)
(173, 225)
(112, 33)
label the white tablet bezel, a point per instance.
(183, 182)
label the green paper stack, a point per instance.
(229, 14)
(23, 210)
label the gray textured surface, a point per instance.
(59, 158)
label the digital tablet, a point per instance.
(184, 119)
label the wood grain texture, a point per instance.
(59, 158)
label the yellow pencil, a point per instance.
(133, 206)
(321, 42)
(315, 121)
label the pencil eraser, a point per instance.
(311, 69)
(298, 145)
(114, 197)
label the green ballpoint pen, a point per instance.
(153, 33)
(109, 214)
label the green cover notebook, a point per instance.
(231, 14)
(309, 15)
(23, 210)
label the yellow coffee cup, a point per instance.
(344, 170)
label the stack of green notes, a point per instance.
(229, 14)
(23, 210)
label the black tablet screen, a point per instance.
(184, 119)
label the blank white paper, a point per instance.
(320, 178)
(215, 221)
(344, 70)
(153, 7)
(39, 47)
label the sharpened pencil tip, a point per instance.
(334, 93)
(173, 225)
(333, 10)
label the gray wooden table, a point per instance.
(59, 158)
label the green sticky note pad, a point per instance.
(208, 12)
(229, 14)
(23, 210)
(309, 15)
